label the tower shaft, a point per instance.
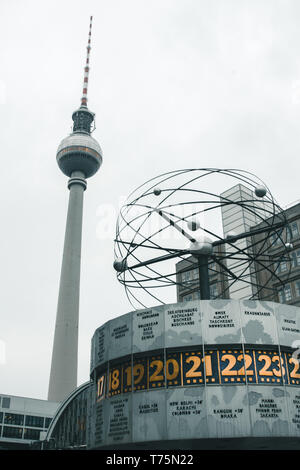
(63, 376)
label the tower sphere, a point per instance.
(193, 224)
(120, 265)
(79, 152)
(260, 191)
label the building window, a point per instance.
(297, 288)
(282, 267)
(10, 431)
(285, 294)
(195, 273)
(1, 416)
(185, 280)
(276, 238)
(213, 267)
(186, 276)
(5, 402)
(34, 421)
(187, 298)
(213, 291)
(292, 231)
(296, 258)
(281, 296)
(12, 418)
(32, 434)
(47, 422)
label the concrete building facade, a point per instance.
(284, 287)
(23, 420)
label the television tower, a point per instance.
(79, 156)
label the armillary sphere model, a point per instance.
(178, 216)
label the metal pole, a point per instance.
(203, 277)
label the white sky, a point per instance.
(174, 84)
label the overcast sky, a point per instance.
(174, 84)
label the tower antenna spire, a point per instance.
(87, 68)
(83, 117)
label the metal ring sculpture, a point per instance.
(176, 216)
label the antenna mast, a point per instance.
(87, 68)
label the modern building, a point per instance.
(23, 420)
(79, 156)
(284, 287)
(280, 279)
(247, 211)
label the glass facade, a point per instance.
(34, 421)
(5, 402)
(33, 434)
(47, 422)
(12, 418)
(12, 432)
(19, 426)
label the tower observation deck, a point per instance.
(79, 156)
